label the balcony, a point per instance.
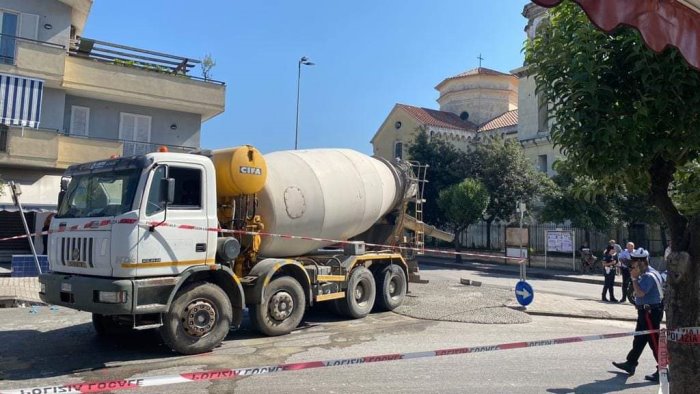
(32, 58)
(49, 149)
(115, 72)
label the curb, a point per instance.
(537, 275)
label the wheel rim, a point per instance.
(393, 287)
(200, 318)
(361, 293)
(281, 305)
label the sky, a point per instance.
(369, 56)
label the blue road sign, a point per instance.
(524, 293)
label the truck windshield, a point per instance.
(99, 194)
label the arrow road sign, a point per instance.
(524, 293)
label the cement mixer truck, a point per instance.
(186, 242)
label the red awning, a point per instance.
(661, 22)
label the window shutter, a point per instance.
(79, 120)
(29, 26)
(136, 131)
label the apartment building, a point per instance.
(66, 99)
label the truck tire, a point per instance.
(282, 308)
(198, 320)
(360, 295)
(391, 286)
(108, 328)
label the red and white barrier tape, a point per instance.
(663, 362)
(113, 385)
(95, 224)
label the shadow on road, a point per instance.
(31, 353)
(618, 382)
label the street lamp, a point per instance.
(305, 61)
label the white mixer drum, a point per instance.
(322, 193)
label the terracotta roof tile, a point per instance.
(475, 71)
(507, 119)
(438, 118)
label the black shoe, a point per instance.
(622, 300)
(614, 300)
(604, 299)
(626, 367)
(653, 377)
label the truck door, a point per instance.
(165, 247)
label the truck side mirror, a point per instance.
(65, 180)
(167, 189)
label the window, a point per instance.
(79, 120)
(135, 131)
(542, 114)
(8, 43)
(188, 189)
(99, 194)
(398, 150)
(154, 204)
(542, 163)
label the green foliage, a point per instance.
(508, 175)
(686, 188)
(447, 166)
(208, 64)
(617, 106)
(575, 198)
(464, 203)
(579, 198)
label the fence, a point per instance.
(646, 236)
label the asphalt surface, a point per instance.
(44, 346)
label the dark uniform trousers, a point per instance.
(646, 320)
(626, 280)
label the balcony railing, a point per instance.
(8, 47)
(126, 56)
(55, 149)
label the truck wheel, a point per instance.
(391, 285)
(198, 320)
(282, 309)
(360, 295)
(106, 327)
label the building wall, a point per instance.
(52, 109)
(482, 96)
(50, 12)
(385, 139)
(105, 118)
(543, 147)
(528, 109)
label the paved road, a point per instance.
(58, 346)
(572, 289)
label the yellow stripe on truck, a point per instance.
(162, 264)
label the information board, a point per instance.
(560, 241)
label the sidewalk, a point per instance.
(514, 270)
(19, 290)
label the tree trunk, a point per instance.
(683, 310)
(682, 293)
(457, 243)
(488, 233)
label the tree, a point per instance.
(208, 64)
(447, 166)
(463, 204)
(621, 111)
(508, 176)
(575, 198)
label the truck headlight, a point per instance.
(111, 297)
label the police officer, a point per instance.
(648, 292)
(624, 257)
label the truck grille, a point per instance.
(77, 252)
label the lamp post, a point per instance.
(305, 61)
